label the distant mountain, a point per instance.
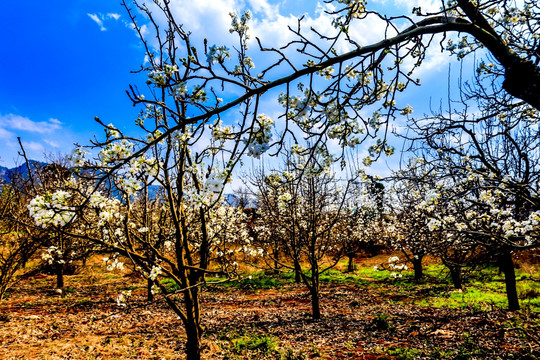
(7, 174)
(3, 172)
(235, 201)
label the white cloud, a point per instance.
(33, 146)
(17, 122)
(98, 21)
(4, 134)
(204, 18)
(51, 143)
(262, 6)
(113, 16)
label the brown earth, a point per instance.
(358, 323)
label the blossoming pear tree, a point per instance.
(55, 210)
(362, 223)
(305, 200)
(412, 191)
(486, 150)
(181, 233)
(19, 238)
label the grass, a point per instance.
(381, 321)
(264, 344)
(484, 288)
(254, 280)
(404, 353)
(247, 342)
(169, 284)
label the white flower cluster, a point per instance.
(108, 210)
(169, 245)
(52, 209)
(220, 132)
(115, 151)
(260, 138)
(113, 263)
(179, 91)
(301, 107)
(250, 251)
(152, 136)
(434, 224)
(122, 298)
(210, 193)
(397, 269)
(155, 272)
(53, 255)
(112, 132)
(78, 157)
(129, 184)
(217, 54)
(161, 77)
(283, 199)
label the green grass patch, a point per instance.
(170, 285)
(483, 288)
(246, 341)
(339, 277)
(254, 280)
(260, 280)
(263, 344)
(404, 353)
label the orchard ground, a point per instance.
(367, 314)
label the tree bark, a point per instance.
(315, 304)
(60, 276)
(314, 289)
(350, 265)
(507, 266)
(418, 269)
(192, 325)
(297, 272)
(522, 80)
(149, 295)
(193, 343)
(455, 274)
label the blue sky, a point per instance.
(58, 71)
(65, 62)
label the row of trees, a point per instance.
(306, 219)
(478, 170)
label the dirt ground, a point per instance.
(358, 323)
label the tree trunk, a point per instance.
(193, 343)
(149, 295)
(522, 80)
(350, 265)
(315, 304)
(314, 289)
(455, 274)
(276, 261)
(297, 271)
(192, 325)
(60, 276)
(417, 265)
(507, 266)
